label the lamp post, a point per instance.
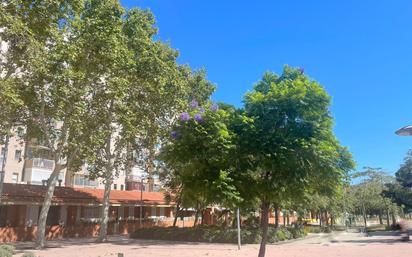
(405, 131)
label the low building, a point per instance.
(75, 212)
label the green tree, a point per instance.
(136, 90)
(41, 79)
(286, 138)
(400, 191)
(368, 194)
(198, 157)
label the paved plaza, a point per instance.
(342, 244)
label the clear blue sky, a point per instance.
(360, 51)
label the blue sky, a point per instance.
(360, 51)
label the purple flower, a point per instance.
(194, 104)
(301, 70)
(174, 135)
(184, 116)
(198, 117)
(214, 107)
(202, 110)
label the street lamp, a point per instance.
(405, 131)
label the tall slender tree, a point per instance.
(287, 138)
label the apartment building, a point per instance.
(135, 201)
(31, 163)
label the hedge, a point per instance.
(213, 234)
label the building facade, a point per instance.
(31, 163)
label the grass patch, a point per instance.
(6, 250)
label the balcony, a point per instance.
(134, 178)
(39, 163)
(39, 169)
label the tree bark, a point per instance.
(393, 218)
(264, 226)
(287, 219)
(51, 184)
(276, 215)
(320, 219)
(105, 212)
(177, 214)
(388, 223)
(380, 217)
(284, 220)
(196, 216)
(326, 218)
(364, 219)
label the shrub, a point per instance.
(6, 250)
(214, 234)
(317, 229)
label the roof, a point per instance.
(35, 193)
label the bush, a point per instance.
(317, 229)
(213, 234)
(396, 227)
(6, 250)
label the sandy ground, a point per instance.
(342, 244)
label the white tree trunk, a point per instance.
(41, 228)
(105, 211)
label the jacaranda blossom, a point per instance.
(301, 70)
(214, 107)
(201, 109)
(174, 135)
(194, 104)
(184, 116)
(197, 117)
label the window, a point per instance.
(115, 186)
(121, 187)
(90, 213)
(80, 180)
(17, 155)
(15, 178)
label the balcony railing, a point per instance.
(43, 164)
(135, 178)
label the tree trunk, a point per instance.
(380, 217)
(284, 219)
(320, 219)
(202, 212)
(196, 217)
(388, 223)
(276, 215)
(51, 184)
(287, 219)
(105, 211)
(393, 218)
(364, 220)
(177, 214)
(264, 226)
(326, 218)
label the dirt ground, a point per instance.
(342, 244)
